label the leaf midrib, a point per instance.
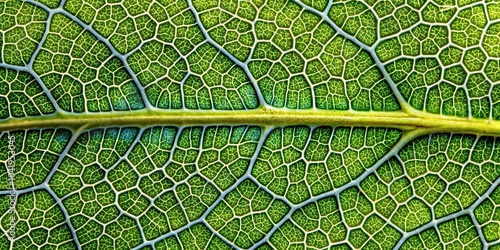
(407, 119)
(262, 117)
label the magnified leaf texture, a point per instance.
(249, 124)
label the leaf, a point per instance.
(256, 124)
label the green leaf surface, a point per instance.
(249, 124)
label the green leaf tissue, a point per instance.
(249, 124)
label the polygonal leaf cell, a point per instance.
(125, 24)
(50, 3)
(300, 62)
(246, 214)
(457, 233)
(32, 154)
(167, 51)
(393, 197)
(230, 24)
(212, 81)
(196, 237)
(215, 82)
(21, 95)
(221, 154)
(40, 223)
(130, 24)
(298, 163)
(487, 215)
(448, 172)
(150, 181)
(316, 225)
(22, 25)
(319, 5)
(447, 65)
(367, 229)
(357, 19)
(81, 73)
(80, 182)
